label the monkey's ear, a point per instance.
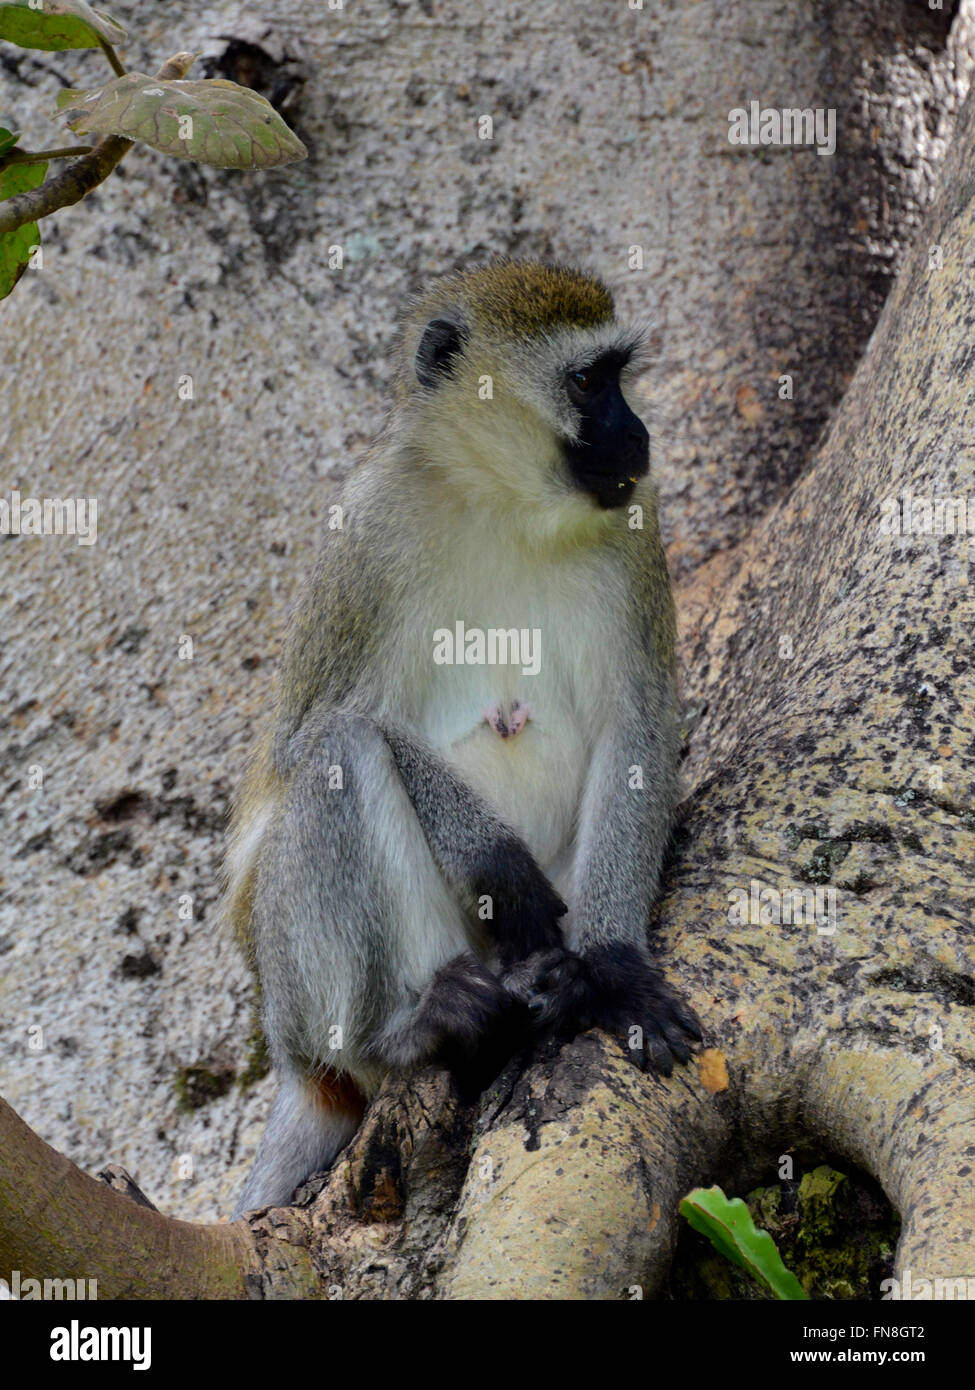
(442, 341)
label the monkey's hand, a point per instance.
(610, 987)
(525, 908)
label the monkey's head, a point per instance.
(513, 386)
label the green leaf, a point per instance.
(8, 138)
(728, 1225)
(56, 24)
(15, 247)
(211, 120)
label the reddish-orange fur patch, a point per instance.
(335, 1091)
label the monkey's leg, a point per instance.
(464, 1018)
(309, 1123)
(353, 918)
(607, 979)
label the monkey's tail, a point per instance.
(311, 1120)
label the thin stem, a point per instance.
(112, 57)
(39, 156)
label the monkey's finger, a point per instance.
(657, 1055)
(677, 1043)
(688, 1020)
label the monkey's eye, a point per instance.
(585, 384)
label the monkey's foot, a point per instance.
(610, 987)
(508, 723)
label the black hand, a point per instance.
(610, 987)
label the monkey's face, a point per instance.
(610, 452)
(534, 420)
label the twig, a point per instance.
(39, 156)
(112, 57)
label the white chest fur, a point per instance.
(562, 671)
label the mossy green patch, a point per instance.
(258, 1062)
(198, 1085)
(835, 1231)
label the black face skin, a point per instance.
(613, 448)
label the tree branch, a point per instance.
(866, 1104)
(56, 1222)
(560, 1204)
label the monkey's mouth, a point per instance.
(615, 492)
(613, 484)
(613, 489)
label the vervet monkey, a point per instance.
(452, 835)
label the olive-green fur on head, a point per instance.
(518, 299)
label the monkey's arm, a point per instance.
(625, 819)
(482, 859)
(606, 979)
